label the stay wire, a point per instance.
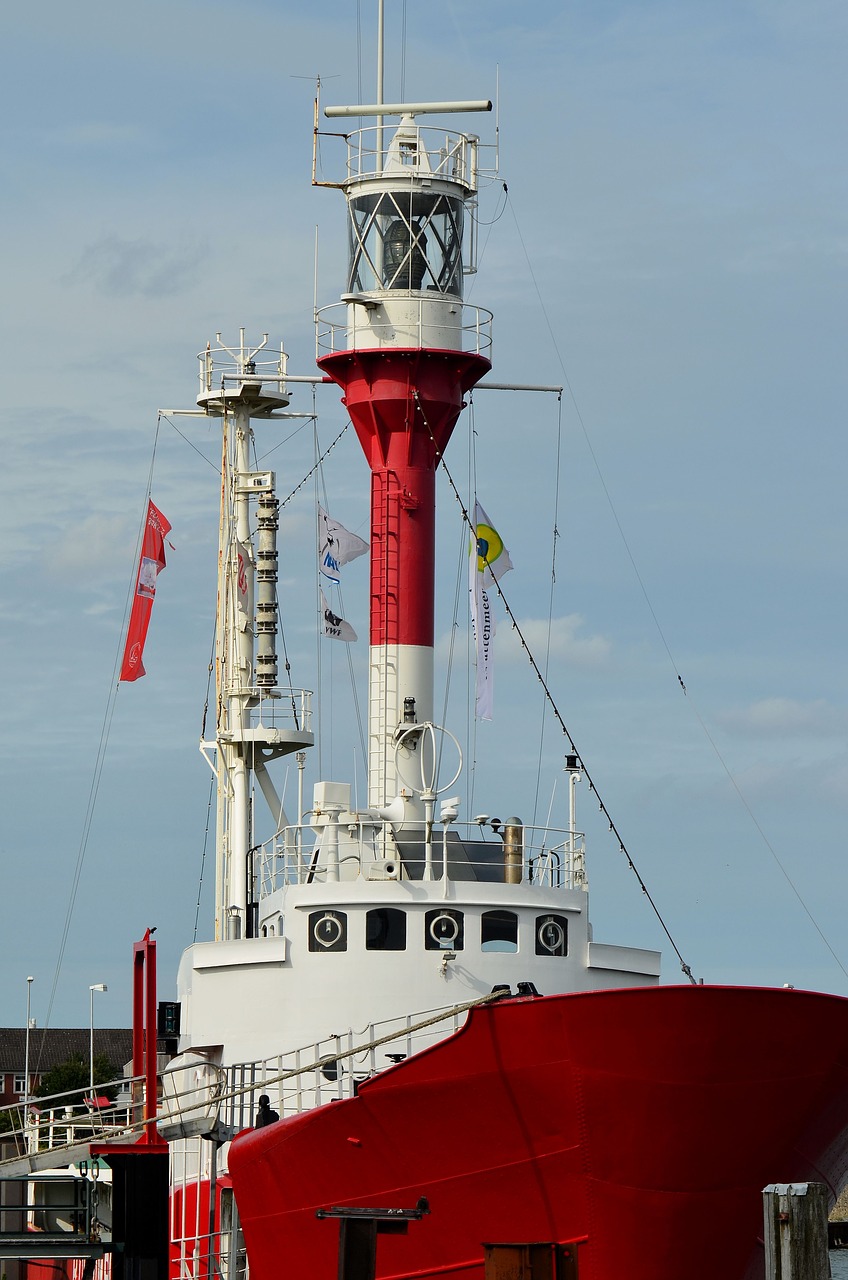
(310, 473)
(554, 540)
(100, 755)
(210, 669)
(191, 444)
(713, 744)
(357, 709)
(685, 968)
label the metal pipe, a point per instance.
(513, 838)
(380, 59)
(98, 986)
(407, 108)
(26, 1050)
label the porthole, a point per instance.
(328, 931)
(551, 936)
(499, 931)
(443, 930)
(385, 929)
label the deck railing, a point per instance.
(359, 846)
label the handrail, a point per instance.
(551, 859)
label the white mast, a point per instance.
(256, 720)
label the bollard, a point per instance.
(795, 1231)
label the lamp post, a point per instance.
(26, 1050)
(98, 986)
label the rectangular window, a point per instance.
(20, 1083)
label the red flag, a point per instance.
(150, 564)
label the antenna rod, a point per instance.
(380, 60)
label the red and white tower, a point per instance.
(405, 349)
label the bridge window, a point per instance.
(328, 931)
(499, 931)
(551, 936)
(443, 930)
(385, 929)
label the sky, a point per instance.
(666, 238)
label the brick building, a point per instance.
(51, 1046)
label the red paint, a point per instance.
(144, 1030)
(189, 1229)
(645, 1119)
(404, 406)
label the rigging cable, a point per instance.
(353, 683)
(722, 762)
(554, 540)
(204, 717)
(685, 968)
(314, 468)
(100, 756)
(191, 444)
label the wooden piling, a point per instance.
(795, 1231)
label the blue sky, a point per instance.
(674, 245)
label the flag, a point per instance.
(488, 561)
(244, 580)
(337, 546)
(150, 565)
(492, 556)
(334, 626)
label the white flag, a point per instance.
(334, 626)
(337, 546)
(492, 556)
(489, 559)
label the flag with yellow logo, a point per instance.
(488, 561)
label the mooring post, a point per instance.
(795, 1231)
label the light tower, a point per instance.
(405, 350)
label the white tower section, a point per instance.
(257, 721)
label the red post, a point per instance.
(144, 1031)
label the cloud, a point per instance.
(98, 544)
(565, 643)
(781, 717)
(122, 268)
(95, 135)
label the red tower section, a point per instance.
(404, 405)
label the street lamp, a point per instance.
(98, 986)
(26, 1050)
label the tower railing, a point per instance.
(219, 367)
(423, 151)
(340, 327)
(277, 708)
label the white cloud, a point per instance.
(122, 268)
(566, 644)
(95, 135)
(781, 717)
(98, 544)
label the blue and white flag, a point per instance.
(337, 546)
(488, 561)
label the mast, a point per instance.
(256, 720)
(405, 349)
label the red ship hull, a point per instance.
(646, 1120)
